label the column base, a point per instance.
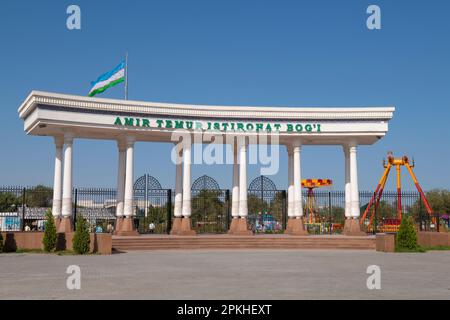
(234, 225)
(57, 222)
(297, 228)
(176, 226)
(127, 227)
(186, 228)
(65, 225)
(118, 226)
(241, 228)
(289, 226)
(352, 228)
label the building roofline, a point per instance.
(176, 109)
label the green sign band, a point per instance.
(218, 126)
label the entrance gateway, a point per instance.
(69, 117)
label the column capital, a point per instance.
(59, 141)
(186, 141)
(345, 148)
(130, 140)
(121, 145)
(352, 148)
(349, 146)
(289, 149)
(68, 138)
(296, 144)
(241, 141)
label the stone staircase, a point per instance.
(166, 242)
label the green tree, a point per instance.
(439, 200)
(386, 210)
(39, 197)
(157, 215)
(81, 239)
(8, 202)
(256, 204)
(208, 208)
(50, 236)
(337, 214)
(406, 235)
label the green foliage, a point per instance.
(1, 243)
(39, 197)
(24, 250)
(418, 249)
(208, 208)
(81, 238)
(406, 236)
(8, 202)
(439, 200)
(437, 248)
(50, 235)
(257, 205)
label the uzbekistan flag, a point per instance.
(109, 79)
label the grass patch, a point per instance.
(423, 249)
(65, 253)
(437, 248)
(23, 250)
(58, 253)
(406, 250)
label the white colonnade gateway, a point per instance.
(68, 118)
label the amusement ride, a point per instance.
(392, 225)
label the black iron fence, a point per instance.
(25, 207)
(267, 211)
(383, 214)
(210, 210)
(153, 213)
(324, 211)
(97, 206)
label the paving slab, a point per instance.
(228, 274)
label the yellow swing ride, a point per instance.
(392, 225)
(313, 221)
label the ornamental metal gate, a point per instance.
(210, 206)
(266, 206)
(323, 211)
(153, 206)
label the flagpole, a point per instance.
(126, 76)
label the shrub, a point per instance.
(81, 238)
(1, 243)
(406, 236)
(50, 236)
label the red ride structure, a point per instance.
(393, 224)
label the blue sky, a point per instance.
(276, 53)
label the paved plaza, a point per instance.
(226, 274)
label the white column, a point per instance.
(243, 209)
(129, 176)
(354, 183)
(298, 206)
(235, 190)
(67, 190)
(57, 181)
(178, 188)
(121, 179)
(290, 182)
(186, 179)
(347, 189)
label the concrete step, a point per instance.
(247, 242)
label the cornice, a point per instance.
(189, 110)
